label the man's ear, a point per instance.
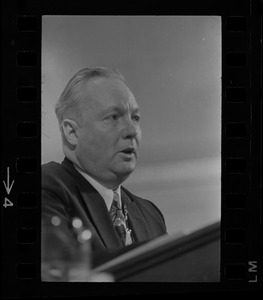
(69, 128)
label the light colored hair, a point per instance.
(71, 95)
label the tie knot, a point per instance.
(116, 199)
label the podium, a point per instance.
(190, 258)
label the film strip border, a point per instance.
(241, 91)
(241, 207)
(21, 138)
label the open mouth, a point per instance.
(128, 151)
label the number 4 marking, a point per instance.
(7, 203)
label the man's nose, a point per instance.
(130, 129)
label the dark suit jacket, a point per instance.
(67, 194)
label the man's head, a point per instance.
(99, 121)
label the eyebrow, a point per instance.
(119, 109)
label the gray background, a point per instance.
(173, 67)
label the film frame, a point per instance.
(241, 191)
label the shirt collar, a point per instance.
(106, 193)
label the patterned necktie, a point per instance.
(119, 220)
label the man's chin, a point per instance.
(125, 169)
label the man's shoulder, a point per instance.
(54, 173)
(146, 205)
(50, 166)
(132, 196)
(139, 200)
(52, 169)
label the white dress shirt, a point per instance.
(106, 193)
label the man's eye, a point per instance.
(136, 118)
(112, 118)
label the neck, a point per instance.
(70, 155)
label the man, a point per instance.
(99, 120)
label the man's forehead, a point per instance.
(107, 90)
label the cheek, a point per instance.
(139, 136)
(96, 145)
(85, 143)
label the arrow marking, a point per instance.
(7, 186)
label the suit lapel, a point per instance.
(136, 220)
(100, 218)
(96, 208)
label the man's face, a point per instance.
(110, 134)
